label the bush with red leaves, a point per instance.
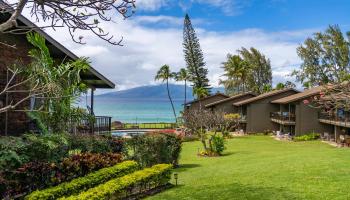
(38, 175)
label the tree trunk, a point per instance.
(185, 94)
(203, 142)
(210, 144)
(171, 101)
(11, 22)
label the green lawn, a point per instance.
(258, 167)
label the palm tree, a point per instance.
(200, 93)
(280, 86)
(164, 74)
(236, 73)
(183, 75)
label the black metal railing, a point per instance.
(334, 117)
(283, 116)
(102, 124)
(96, 125)
(149, 126)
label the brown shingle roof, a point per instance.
(305, 94)
(230, 98)
(208, 97)
(263, 96)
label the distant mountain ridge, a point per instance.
(153, 92)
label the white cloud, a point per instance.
(146, 49)
(92, 51)
(151, 5)
(228, 7)
(168, 20)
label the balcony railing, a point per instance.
(100, 124)
(283, 117)
(332, 118)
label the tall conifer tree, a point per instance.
(194, 57)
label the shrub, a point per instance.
(156, 148)
(83, 183)
(307, 137)
(38, 175)
(15, 151)
(12, 152)
(218, 143)
(190, 138)
(47, 148)
(138, 181)
(30, 176)
(82, 164)
(96, 143)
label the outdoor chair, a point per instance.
(325, 136)
(342, 140)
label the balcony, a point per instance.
(98, 125)
(284, 118)
(333, 119)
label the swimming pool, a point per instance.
(124, 133)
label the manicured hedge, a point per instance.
(120, 187)
(83, 183)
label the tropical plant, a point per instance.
(250, 70)
(164, 74)
(51, 147)
(236, 73)
(280, 86)
(37, 175)
(326, 58)
(194, 57)
(267, 88)
(260, 69)
(218, 144)
(16, 151)
(183, 75)
(12, 152)
(55, 105)
(200, 93)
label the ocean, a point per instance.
(137, 111)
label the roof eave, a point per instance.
(108, 84)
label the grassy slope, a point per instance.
(258, 167)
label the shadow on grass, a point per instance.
(184, 167)
(239, 137)
(229, 153)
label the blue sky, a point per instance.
(270, 15)
(153, 36)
